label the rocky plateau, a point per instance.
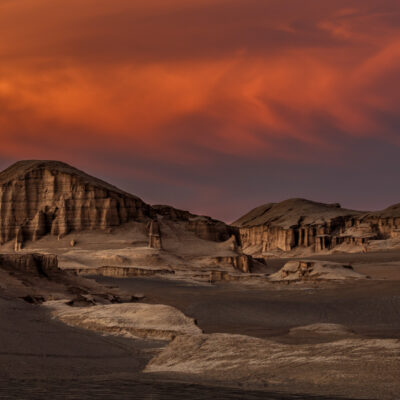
(299, 226)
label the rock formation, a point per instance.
(155, 235)
(315, 270)
(36, 264)
(124, 272)
(204, 227)
(242, 262)
(38, 198)
(149, 321)
(302, 224)
(19, 240)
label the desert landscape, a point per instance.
(104, 295)
(199, 199)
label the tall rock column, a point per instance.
(155, 235)
(19, 240)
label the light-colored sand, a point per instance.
(350, 363)
(126, 246)
(321, 329)
(129, 319)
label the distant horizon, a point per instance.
(2, 168)
(213, 106)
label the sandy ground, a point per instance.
(358, 358)
(341, 365)
(41, 358)
(148, 321)
(368, 307)
(127, 245)
(253, 334)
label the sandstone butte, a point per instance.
(51, 198)
(39, 198)
(299, 225)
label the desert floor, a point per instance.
(41, 357)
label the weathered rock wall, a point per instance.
(204, 227)
(350, 230)
(242, 263)
(123, 272)
(385, 227)
(49, 197)
(37, 264)
(52, 202)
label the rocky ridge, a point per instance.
(39, 198)
(298, 224)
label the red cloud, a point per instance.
(154, 76)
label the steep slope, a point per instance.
(38, 198)
(49, 197)
(297, 224)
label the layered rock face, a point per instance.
(39, 198)
(204, 227)
(242, 263)
(36, 264)
(124, 272)
(298, 223)
(49, 197)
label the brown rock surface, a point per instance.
(311, 270)
(155, 235)
(50, 197)
(204, 227)
(242, 262)
(37, 264)
(299, 224)
(51, 207)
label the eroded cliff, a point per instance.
(38, 198)
(302, 224)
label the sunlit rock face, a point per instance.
(38, 198)
(297, 224)
(155, 235)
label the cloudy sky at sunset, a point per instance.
(215, 106)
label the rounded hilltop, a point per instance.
(21, 168)
(289, 212)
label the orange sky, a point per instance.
(185, 84)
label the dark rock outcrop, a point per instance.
(124, 272)
(242, 263)
(35, 264)
(204, 227)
